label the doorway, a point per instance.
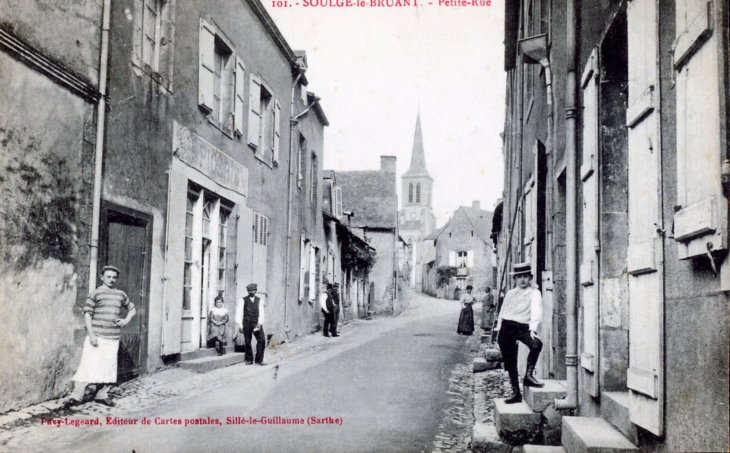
(125, 242)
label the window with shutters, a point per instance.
(313, 182)
(264, 118)
(338, 201)
(154, 30)
(700, 220)
(220, 80)
(301, 161)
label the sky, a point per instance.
(375, 68)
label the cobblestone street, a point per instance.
(421, 400)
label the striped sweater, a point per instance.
(105, 306)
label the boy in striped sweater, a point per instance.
(102, 318)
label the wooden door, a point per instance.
(125, 245)
(645, 377)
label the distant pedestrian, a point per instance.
(466, 318)
(327, 305)
(488, 309)
(102, 318)
(336, 301)
(252, 324)
(519, 319)
(218, 325)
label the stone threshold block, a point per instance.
(205, 364)
(492, 355)
(542, 449)
(516, 423)
(540, 398)
(615, 409)
(593, 435)
(485, 439)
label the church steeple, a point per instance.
(418, 156)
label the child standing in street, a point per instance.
(102, 318)
(217, 325)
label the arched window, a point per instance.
(410, 193)
(418, 192)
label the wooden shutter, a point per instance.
(260, 252)
(312, 267)
(254, 111)
(645, 377)
(277, 131)
(167, 42)
(452, 258)
(206, 71)
(338, 202)
(302, 268)
(238, 99)
(701, 221)
(470, 258)
(174, 264)
(588, 267)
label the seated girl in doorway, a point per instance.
(217, 325)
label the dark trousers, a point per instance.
(260, 342)
(511, 332)
(330, 322)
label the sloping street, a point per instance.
(391, 384)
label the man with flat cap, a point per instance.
(519, 318)
(252, 324)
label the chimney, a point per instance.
(475, 205)
(387, 164)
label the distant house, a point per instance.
(371, 197)
(462, 243)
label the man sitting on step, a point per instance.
(518, 320)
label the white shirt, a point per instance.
(523, 306)
(323, 301)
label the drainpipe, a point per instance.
(571, 115)
(99, 153)
(292, 129)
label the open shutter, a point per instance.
(277, 131)
(206, 71)
(302, 268)
(700, 224)
(174, 264)
(338, 202)
(470, 258)
(645, 377)
(254, 111)
(238, 100)
(452, 258)
(312, 267)
(588, 266)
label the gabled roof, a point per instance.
(480, 220)
(371, 196)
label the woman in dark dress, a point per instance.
(466, 319)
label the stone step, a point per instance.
(484, 439)
(542, 449)
(615, 409)
(492, 355)
(205, 364)
(200, 353)
(515, 423)
(593, 435)
(540, 398)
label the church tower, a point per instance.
(416, 218)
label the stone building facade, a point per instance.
(371, 198)
(462, 243)
(209, 178)
(615, 152)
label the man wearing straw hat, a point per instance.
(519, 318)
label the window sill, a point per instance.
(152, 74)
(227, 131)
